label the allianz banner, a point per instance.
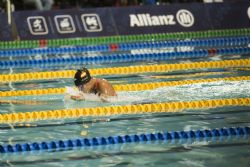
(162, 19)
(182, 17)
(132, 20)
(230, 15)
(65, 23)
(5, 29)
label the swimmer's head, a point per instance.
(82, 77)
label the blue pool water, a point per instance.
(227, 151)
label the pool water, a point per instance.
(228, 151)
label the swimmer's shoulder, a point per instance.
(101, 80)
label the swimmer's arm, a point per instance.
(106, 90)
(104, 98)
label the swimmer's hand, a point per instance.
(78, 98)
(104, 98)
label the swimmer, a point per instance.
(87, 84)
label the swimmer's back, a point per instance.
(105, 87)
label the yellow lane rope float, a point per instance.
(188, 75)
(117, 110)
(243, 69)
(126, 70)
(126, 87)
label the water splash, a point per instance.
(199, 91)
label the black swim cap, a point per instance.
(82, 77)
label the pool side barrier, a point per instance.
(117, 58)
(218, 42)
(118, 110)
(123, 87)
(126, 139)
(126, 70)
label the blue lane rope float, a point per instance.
(98, 141)
(219, 42)
(123, 57)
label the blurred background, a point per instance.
(68, 4)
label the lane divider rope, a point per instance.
(125, 70)
(123, 39)
(125, 87)
(243, 69)
(214, 134)
(218, 42)
(118, 110)
(187, 76)
(122, 58)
